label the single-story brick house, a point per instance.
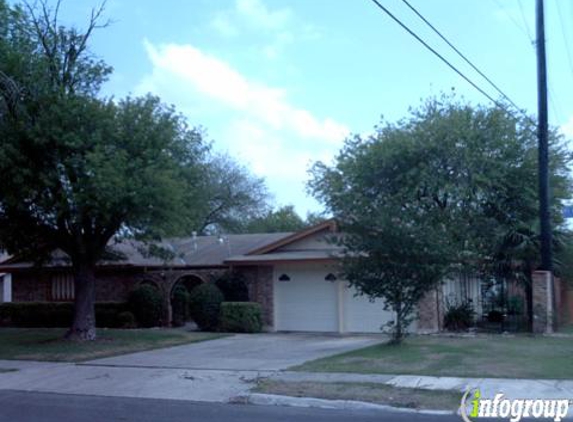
(293, 276)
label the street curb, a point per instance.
(278, 400)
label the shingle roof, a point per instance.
(286, 256)
(198, 251)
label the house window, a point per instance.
(62, 287)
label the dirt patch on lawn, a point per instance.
(413, 398)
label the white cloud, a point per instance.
(275, 29)
(217, 80)
(257, 13)
(252, 120)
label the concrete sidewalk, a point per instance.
(158, 383)
(224, 385)
(511, 388)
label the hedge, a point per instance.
(56, 314)
(233, 285)
(205, 305)
(241, 317)
(146, 303)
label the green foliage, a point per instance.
(229, 195)
(205, 305)
(283, 219)
(80, 169)
(126, 319)
(459, 317)
(146, 303)
(241, 317)
(180, 306)
(445, 187)
(233, 286)
(56, 314)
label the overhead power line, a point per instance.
(565, 39)
(443, 59)
(462, 55)
(524, 19)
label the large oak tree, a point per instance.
(78, 169)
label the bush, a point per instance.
(515, 305)
(126, 319)
(107, 313)
(146, 303)
(241, 317)
(233, 285)
(495, 316)
(459, 317)
(180, 306)
(204, 306)
(56, 314)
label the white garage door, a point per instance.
(361, 315)
(305, 302)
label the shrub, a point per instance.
(241, 317)
(233, 285)
(459, 317)
(515, 305)
(126, 319)
(146, 303)
(205, 305)
(55, 314)
(495, 316)
(180, 306)
(107, 313)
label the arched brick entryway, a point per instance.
(186, 281)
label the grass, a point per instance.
(375, 393)
(481, 356)
(47, 344)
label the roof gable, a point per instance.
(299, 240)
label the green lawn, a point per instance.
(47, 344)
(482, 356)
(414, 398)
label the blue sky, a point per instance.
(279, 84)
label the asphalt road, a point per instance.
(17, 406)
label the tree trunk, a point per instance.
(398, 328)
(83, 327)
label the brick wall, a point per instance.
(430, 312)
(542, 302)
(260, 283)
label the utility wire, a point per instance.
(515, 21)
(565, 39)
(557, 111)
(443, 59)
(462, 55)
(524, 19)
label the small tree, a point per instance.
(397, 246)
(393, 260)
(451, 184)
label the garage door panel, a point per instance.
(363, 316)
(306, 303)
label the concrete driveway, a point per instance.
(244, 352)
